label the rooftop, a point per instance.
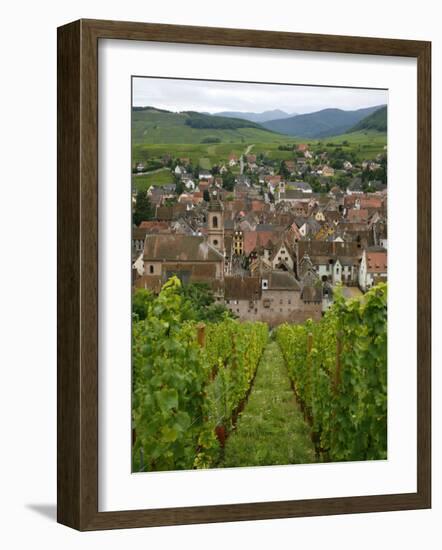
(181, 248)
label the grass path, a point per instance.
(271, 430)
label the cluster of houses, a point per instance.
(271, 250)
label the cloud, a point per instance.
(214, 96)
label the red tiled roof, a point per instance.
(371, 202)
(153, 225)
(255, 239)
(355, 215)
(272, 179)
(377, 262)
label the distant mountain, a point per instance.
(276, 114)
(320, 124)
(375, 121)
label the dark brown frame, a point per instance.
(77, 459)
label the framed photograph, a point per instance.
(232, 207)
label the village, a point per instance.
(270, 245)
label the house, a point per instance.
(357, 215)
(262, 241)
(370, 165)
(197, 198)
(187, 199)
(355, 187)
(301, 186)
(319, 216)
(328, 171)
(238, 242)
(347, 165)
(274, 298)
(373, 268)
(309, 228)
(300, 208)
(282, 302)
(233, 160)
(179, 170)
(272, 181)
(251, 159)
(156, 195)
(281, 257)
(302, 147)
(205, 175)
(191, 258)
(291, 196)
(189, 185)
(333, 261)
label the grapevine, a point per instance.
(338, 367)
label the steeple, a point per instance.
(216, 222)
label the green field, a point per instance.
(144, 181)
(366, 145)
(156, 134)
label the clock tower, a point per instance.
(216, 223)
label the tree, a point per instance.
(283, 170)
(143, 210)
(229, 181)
(199, 304)
(179, 187)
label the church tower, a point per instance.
(216, 223)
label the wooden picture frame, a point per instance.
(77, 461)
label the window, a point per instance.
(289, 301)
(215, 221)
(215, 242)
(151, 269)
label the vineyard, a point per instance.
(190, 382)
(338, 368)
(320, 393)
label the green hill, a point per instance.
(156, 126)
(320, 124)
(375, 121)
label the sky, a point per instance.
(214, 96)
